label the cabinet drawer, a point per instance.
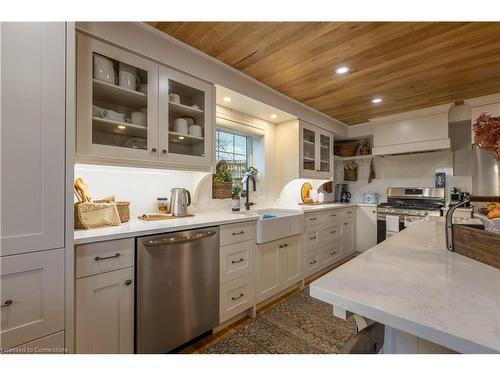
(236, 296)
(315, 218)
(236, 261)
(330, 253)
(330, 232)
(312, 263)
(349, 212)
(312, 237)
(99, 257)
(32, 292)
(234, 233)
(335, 215)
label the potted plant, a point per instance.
(235, 204)
(221, 181)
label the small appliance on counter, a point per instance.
(179, 202)
(370, 197)
(342, 194)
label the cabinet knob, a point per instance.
(236, 298)
(128, 282)
(153, 149)
(7, 303)
(286, 245)
(281, 246)
(374, 211)
(163, 151)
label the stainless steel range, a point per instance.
(405, 205)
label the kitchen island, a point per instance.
(430, 300)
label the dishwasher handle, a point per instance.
(181, 238)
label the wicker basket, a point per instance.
(123, 211)
(347, 149)
(350, 172)
(222, 190)
(102, 214)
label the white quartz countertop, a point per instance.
(412, 283)
(136, 227)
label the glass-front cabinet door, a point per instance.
(308, 149)
(117, 102)
(325, 153)
(316, 153)
(185, 118)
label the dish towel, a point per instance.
(392, 223)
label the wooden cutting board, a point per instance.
(304, 191)
(154, 217)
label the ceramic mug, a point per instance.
(103, 69)
(196, 131)
(127, 76)
(174, 98)
(181, 126)
(138, 118)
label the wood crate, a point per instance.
(475, 243)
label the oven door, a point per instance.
(382, 233)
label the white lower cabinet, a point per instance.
(32, 292)
(51, 344)
(366, 228)
(105, 312)
(348, 236)
(278, 265)
(236, 296)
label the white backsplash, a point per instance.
(402, 171)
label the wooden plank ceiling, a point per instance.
(410, 65)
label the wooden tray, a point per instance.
(154, 217)
(475, 243)
(316, 203)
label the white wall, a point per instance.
(401, 171)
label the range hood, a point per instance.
(416, 131)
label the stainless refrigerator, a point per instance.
(485, 173)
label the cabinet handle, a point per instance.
(238, 233)
(333, 253)
(153, 149)
(313, 262)
(313, 238)
(286, 245)
(349, 212)
(97, 259)
(237, 261)
(163, 151)
(235, 298)
(313, 218)
(346, 223)
(7, 303)
(128, 282)
(332, 215)
(333, 231)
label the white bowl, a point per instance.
(196, 131)
(181, 126)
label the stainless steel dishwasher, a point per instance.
(177, 295)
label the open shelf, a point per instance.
(118, 127)
(187, 140)
(357, 157)
(110, 93)
(179, 110)
(308, 159)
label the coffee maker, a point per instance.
(342, 194)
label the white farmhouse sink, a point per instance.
(276, 223)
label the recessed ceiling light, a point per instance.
(376, 100)
(122, 127)
(342, 70)
(273, 116)
(227, 99)
(181, 137)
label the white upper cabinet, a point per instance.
(33, 136)
(135, 111)
(315, 152)
(117, 102)
(303, 151)
(186, 111)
